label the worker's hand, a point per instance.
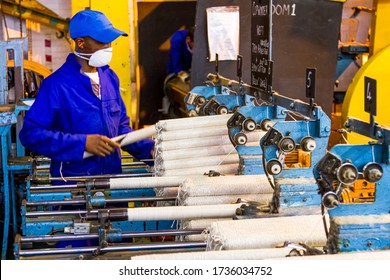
(184, 76)
(100, 145)
(152, 152)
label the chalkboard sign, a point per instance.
(370, 96)
(311, 74)
(261, 44)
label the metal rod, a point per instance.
(108, 176)
(56, 202)
(52, 188)
(110, 200)
(140, 247)
(141, 199)
(56, 238)
(60, 213)
(42, 167)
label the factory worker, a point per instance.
(180, 52)
(79, 108)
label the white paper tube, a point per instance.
(170, 191)
(145, 182)
(131, 137)
(266, 232)
(254, 254)
(191, 133)
(195, 237)
(190, 122)
(226, 169)
(182, 212)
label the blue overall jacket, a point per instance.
(66, 110)
(179, 56)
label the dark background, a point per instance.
(157, 22)
(309, 39)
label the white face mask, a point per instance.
(99, 58)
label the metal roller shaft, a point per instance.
(108, 201)
(164, 246)
(56, 238)
(150, 213)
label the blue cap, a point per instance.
(95, 25)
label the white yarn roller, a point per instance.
(192, 133)
(182, 212)
(223, 199)
(254, 254)
(200, 223)
(193, 143)
(196, 152)
(131, 137)
(266, 232)
(224, 185)
(226, 169)
(200, 161)
(198, 122)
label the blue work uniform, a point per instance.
(66, 110)
(179, 56)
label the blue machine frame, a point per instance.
(360, 225)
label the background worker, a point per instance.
(180, 52)
(79, 108)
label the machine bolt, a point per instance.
(379, 134)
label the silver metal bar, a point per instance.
(138, 247)
(60, 213)
(140, 199)
(42, 167)
(108, 176)
(53, 188)
(56, 238)
(110, 200)
(55, 202)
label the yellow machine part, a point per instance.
(297, 159)
(361, 192)
(33, 66)
(377, 67)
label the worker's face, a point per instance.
(89, 45)
(190, 43)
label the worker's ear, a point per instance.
(80, 43)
